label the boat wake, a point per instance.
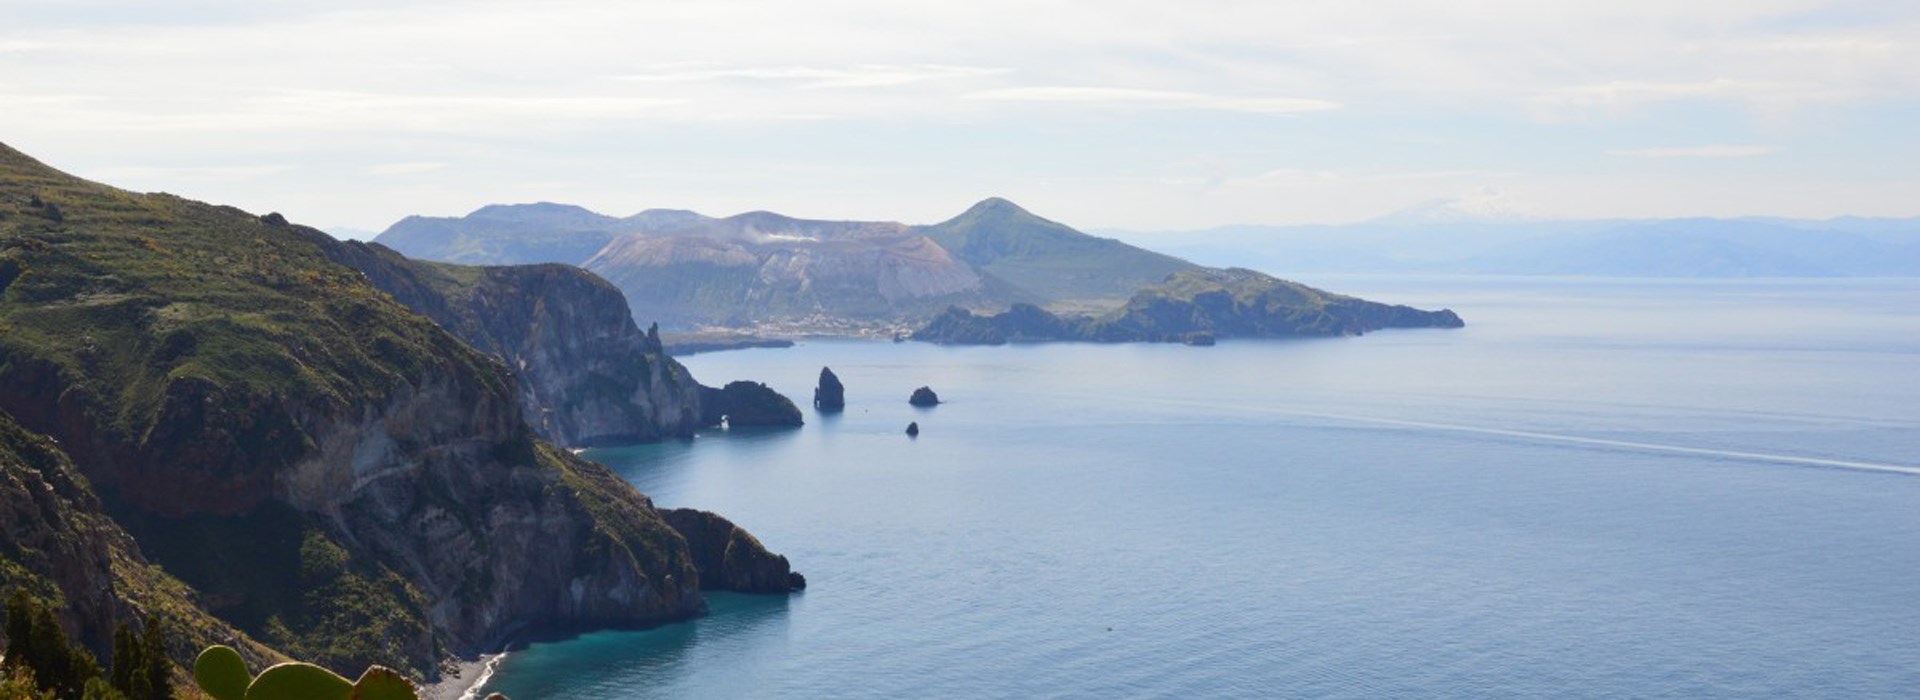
(1795, 460)
(1631, 444)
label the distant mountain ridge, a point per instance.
(685, 270)
(1691, 247)
(518, 234)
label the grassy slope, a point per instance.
(127, 297)
(130, 292)
(1048, 259)
(191, 346)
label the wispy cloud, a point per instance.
(810, 77)
(1397, 101)
(1154, 98)
(404, 168)
(1632, 93)
(1722, 151)
(194, 173)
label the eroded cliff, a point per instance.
(587, 374)
(337, 475)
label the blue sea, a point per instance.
(1598, 488)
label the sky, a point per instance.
(1103, 114)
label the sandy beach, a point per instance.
(457, 676)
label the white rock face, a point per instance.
(765, 267)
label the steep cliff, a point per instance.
(587, 374)
(60, 545)
(728, 557)
(1194, 306)
(336, 474)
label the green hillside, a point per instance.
(330, 472)
(1047, 259)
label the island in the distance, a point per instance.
(1193, 306)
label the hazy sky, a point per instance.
(1108, 113)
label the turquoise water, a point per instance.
(1645, 489)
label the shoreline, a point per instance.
(462, 679)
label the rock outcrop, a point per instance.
(924, 396)
(58, 543)
(1194, 307)
(913, 429)
(749, 404)
(830, 395)
(728, 557)
(587, 374)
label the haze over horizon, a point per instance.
(1131, 115)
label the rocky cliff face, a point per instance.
(730, 558)
(58, 543)
(587, 374)
(761, 267)
(346, 479)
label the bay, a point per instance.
(1648, 488)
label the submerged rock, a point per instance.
(729, 558)
(830, 395)
(924, 396)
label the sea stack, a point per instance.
(830, 395)
(924, 396)
(913, 429)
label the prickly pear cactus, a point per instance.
(222, 673)
(382, 683)
(299, 681)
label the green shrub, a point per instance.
(37, 645)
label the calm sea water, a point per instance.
(1596, 489)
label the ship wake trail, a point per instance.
(1766, 457)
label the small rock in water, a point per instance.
(913, 429)
(924, 396)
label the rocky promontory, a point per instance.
(588, 375)
(1194, 307)
(730, 558)
(749, 404)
